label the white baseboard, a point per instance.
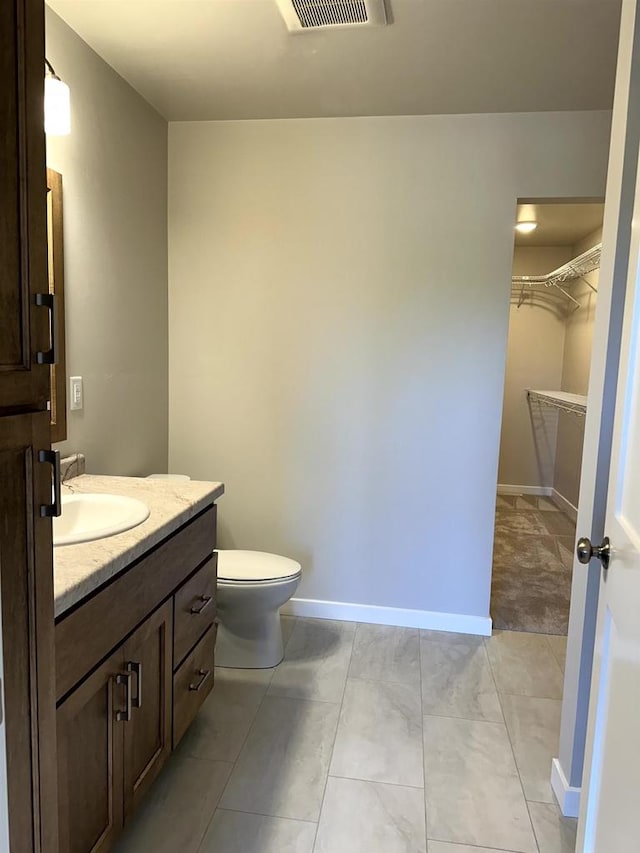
(565, 505)
(568, 798)
(540, 491)
(377, 615)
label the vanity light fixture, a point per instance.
(526, 227)
(57, 103)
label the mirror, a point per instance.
(55, 260)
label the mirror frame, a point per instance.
(55, 256)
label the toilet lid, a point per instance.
(255, 566)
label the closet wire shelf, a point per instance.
(577, 268)
(575, 404)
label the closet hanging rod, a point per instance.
(520, 289)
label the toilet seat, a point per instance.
(251, 567)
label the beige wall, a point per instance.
(534, 360)
(114, 168)
(339, 303)
(575, 378)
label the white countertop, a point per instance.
(80, 569)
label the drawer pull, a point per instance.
(136, 666)
(205, 602)
(125, 678)
(204, 674)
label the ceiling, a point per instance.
(559, 224)
(235, 59)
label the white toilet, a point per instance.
(252, 587)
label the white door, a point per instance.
(610, 806)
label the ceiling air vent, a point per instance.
(306, 15)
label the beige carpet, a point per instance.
(532, 563)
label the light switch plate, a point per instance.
(76, 393)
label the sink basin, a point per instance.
(88, 517)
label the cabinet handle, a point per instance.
(206, 601)
(125, 678)
(197, 685)
(53, 510)
(136, 666)
(48, 300)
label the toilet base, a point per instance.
(254, 643)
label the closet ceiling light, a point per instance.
(526, 227)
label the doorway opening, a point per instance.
(551, 320)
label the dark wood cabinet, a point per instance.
(90, 760)
(195, 609)
(24, 328)
(147, 736)
(192, 683)
(26, 579)
(135, 664)
(114, 735)
(26, 573)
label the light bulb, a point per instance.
(526, 227)
(57, 107)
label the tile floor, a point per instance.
(532, 565)
(370, 739)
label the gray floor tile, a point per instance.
(238, 832)
(472, 788)
(283, 765)
(449, 637)
(534, 729)
(524, 664)
(555, 833)
(446, 847)
(316, 661)
(559, 648)
(371, 817)
(457, 681)
(178, 808)
(288, 624)
(384, 653)
(223, 722)
(379, 733)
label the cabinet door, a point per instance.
(26, 580)
(24, 328)
(90, 753)
(147, 737)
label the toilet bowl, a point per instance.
(252, 587)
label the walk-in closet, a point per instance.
(552, 309)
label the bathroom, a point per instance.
(307, 300)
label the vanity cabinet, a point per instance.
(148, 656)
(90, 760)
(124, 705)
(114, 735)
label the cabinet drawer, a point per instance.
(192, 684)
(195, 609)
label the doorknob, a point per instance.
(585, 551)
